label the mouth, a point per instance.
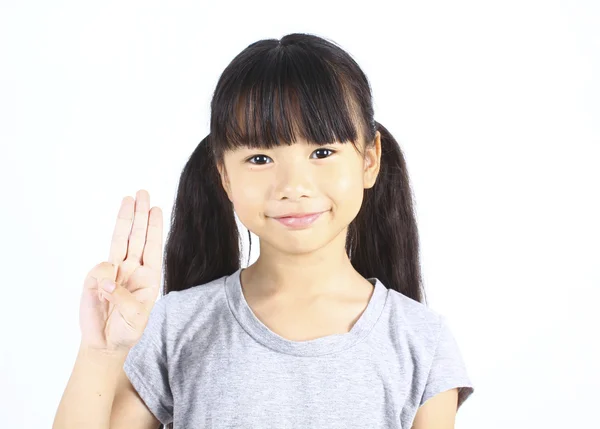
(297, 215)
(297, 220)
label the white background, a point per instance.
(495, 104)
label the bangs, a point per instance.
(279, 96)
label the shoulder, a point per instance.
(210, 290)
(197, 303)
(414, 322)
(429, 352)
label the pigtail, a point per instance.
(203, 242)
(383, 239)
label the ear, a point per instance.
(372, 162)
(224, 180)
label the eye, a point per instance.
(322, 149)
(255, 157)
(265, 156)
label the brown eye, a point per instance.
(257, 157)
(324, 150)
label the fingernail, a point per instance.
(108, 286)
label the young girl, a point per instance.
(328, 328)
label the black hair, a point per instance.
(272, 93)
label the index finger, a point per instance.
(152, 256)
(120, 237)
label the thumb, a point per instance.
(132, 310)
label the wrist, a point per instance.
(92, 353)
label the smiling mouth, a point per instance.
(301, 221)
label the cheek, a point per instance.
(349, 194)
(247, 196)
(348, 190)
(247, 192)
(345, 183)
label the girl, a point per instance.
(328, 328)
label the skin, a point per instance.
(306, 275)
(302, 271)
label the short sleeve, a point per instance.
(146, 364)
(447, 369)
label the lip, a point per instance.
(298, 221)
(297, 215)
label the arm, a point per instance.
(447, 386)
(88, 397)
(116, 304)
(100, 396)
(439, 412)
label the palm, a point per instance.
(136, 252)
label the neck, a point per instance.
(325, 271)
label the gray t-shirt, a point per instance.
(206, 361)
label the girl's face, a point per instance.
(301, 178)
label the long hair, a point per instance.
(270, 94)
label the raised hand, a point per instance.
(114, 321)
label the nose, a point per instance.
(293, 181)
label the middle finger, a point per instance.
(137, 237)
